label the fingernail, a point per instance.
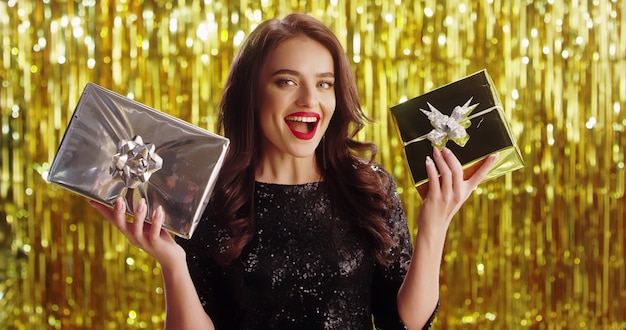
(428, 159)
(445, 150)
(142, 205)
(119, 204)
(159, 212)
(155, 214)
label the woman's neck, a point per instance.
(287, 170)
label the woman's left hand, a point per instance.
(447, 190)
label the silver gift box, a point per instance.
(114, 146)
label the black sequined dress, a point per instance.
(304, 269)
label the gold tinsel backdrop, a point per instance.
(542, 247)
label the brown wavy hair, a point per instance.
(357, 191)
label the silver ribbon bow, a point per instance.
(449, 127)
(135, 162)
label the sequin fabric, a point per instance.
(305, 268)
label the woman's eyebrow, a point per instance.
(286, 71)
(297, 74)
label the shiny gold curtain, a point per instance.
(542, 247)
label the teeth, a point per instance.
(302, 119)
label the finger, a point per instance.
(482, 171)
(455, 167)
(117, 216)
(157, 223)
(138, 218)
(433, 179)
(445, 174)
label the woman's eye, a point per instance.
(326, 84)
(285, 82)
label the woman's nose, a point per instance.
(307, 96)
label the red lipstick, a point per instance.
(303, 125)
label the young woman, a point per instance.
(304, 229)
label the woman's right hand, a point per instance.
(151, 238)
(183, 307)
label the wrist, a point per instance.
(174, 262)
(430, 239)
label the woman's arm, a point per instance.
(447, 191)
(183, 307)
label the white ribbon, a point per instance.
(452, 127)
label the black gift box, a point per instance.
(487, 131)
(115, 146)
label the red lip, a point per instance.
(299, 134)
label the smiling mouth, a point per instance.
(302, 126)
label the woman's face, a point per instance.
(296, 99)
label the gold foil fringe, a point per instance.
(542, 247)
